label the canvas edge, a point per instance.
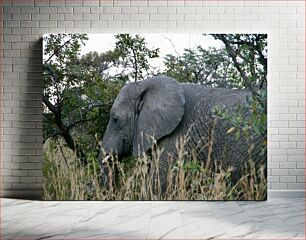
(23, 194)
(38, 194)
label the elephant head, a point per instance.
(150, 108)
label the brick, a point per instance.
(300, 164)
(61, 24)
(166, 9)
(74, 16)
(72, 3)
(139, 17)
(138, 3)
(20, 31)
(129, 10)
(57, 3)
(210, 17)
(267, 24)
(41, 3)
(296, 186)
(297, 124)
(94, 3)
(11, 9)
(57, 17)
(36, 173)
(82, 24)
(295, 152)
(157, 3)
(297, 172)
(221, 24)
(112, 9)
(114, 24)
(268, 10)
(287, 179)
(106, 17)
(81, 10)
(11, 53)
(202, 10)
(21, 17)
(186, 9)
(10, 179)
(96, 10)
(98, 24)
(176, 3)
(147, 9)
(300, 179)
(7, 16)
(287, 165)
(279, 124)
(190, 3)
(273, 179)
(201, 24)
(148, 24)
(122, 3)
(130, 24)
(94, 16)
(286, 9)
(189, 17)
(280, 186)
(19, 173)
(40, 17)
(273, 165)
(167, 24)
(62, 10)
(280, 172)
(20, 186)
(287, 117)
(217, 10)
(29, 24)
(28, 179)
(50, 10)
(228, 17)
(122, 17)
(158, 17)
(47, 24)
(176, 17)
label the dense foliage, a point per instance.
(79, 90)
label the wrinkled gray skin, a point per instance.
(163, 108)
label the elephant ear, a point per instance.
(159, 110)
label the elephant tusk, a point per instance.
(105, 160)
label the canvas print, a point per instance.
(155, 116)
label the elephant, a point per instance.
(161, 107)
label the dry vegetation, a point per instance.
(65, 178)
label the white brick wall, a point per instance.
(24, 22)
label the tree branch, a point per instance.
(65, 43)
(233, 54)
(49, 105)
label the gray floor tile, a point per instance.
(273, 219)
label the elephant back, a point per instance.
(199, 120)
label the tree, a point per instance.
(76, 96)
(248, 55)
(133, 54)
(60, 81)
(240, 63)
(210, 67)
(80, 90)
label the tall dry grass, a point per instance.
(65, 178)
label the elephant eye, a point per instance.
(115, 120)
